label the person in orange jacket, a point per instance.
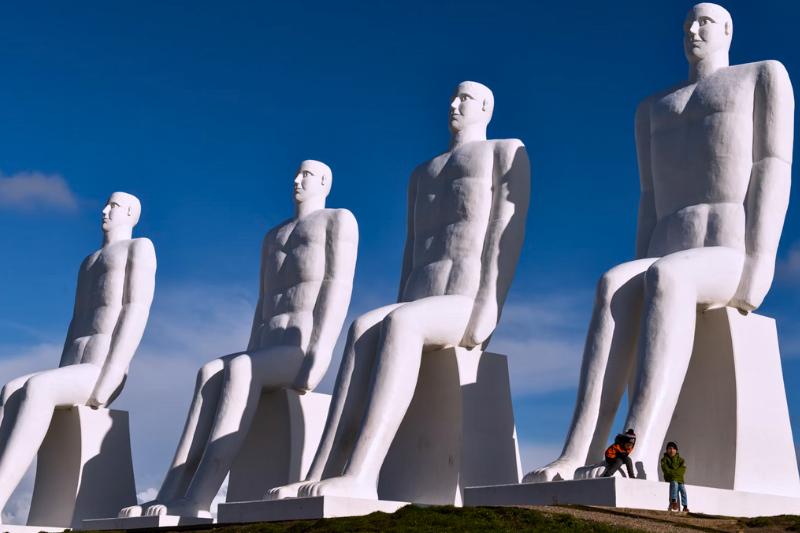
(619, 453)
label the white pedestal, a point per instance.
(458, 431)
(8, 528)
(731, 422)
(281, 444)
(84, 468)
(302, 509)
(143, 522)
(631, 493)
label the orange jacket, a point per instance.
(615, 450)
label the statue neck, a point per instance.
(306, 207)
(467, 135)
(707, 66)
(121, 233)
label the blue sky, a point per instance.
(204, 109)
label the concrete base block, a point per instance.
(281, 444)
(631, 493)
(84, 468)
(731, 422)
(143, 522)
(302, 509)
(458, 431)
(6, 528)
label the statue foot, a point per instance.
(558, 470)
(181, 507)
(285, 491)
(347, 486)
(136, 510)
(594, 471)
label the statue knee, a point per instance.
(208, 370)
(661, 277)
(607, 286)
(399, 322)
(35, 389)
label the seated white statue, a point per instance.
(307, 268)
(714, 157)
(112, 303)
(466, 223)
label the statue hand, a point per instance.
(756, 280)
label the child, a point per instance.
(619, 453)
(674, 468)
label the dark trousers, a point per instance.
(615, 464)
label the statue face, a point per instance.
(469, 106)
(707, 29)
(311, 181)
(119, 211)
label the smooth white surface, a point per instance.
(307, 267)
(112, 303)
(458, 431)
(715, 156)
(280, 445)
(142, 522)
(466, 223)
(632, 494)
(84, 468)
(9, 528)
(302, 509)
(732, 405)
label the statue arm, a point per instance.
(408, 251)
(330, 309)
(138, 295)
(770, 180)
(77, 309)
(647, 208)
(503, 242)
(255, 329)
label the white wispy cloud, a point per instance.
(543, 340)
(25, 190)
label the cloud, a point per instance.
(537, 454)
(26, 190)
(543, 340)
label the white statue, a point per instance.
(715, 158)
(466, 223)
(112, 302)
(307, 267)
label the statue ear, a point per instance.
(130, 211)
(727, 27)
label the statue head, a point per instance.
(707, 30)
(121, 210)
(312, 181)
(472, 104)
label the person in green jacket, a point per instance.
(674, 468)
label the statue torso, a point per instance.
(294, 258)
(450, 218)
(102, 282)
(701, 138)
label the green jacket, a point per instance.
(674, 468)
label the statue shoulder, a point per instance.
(772, 73)
(343, 224)
(511, 154)
(142, 250)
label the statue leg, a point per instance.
(28, 424)
(6, 398)
(430, 322)
(245, 376)
(194, 438)
(607, 359)
(674, 288)
(348, 402)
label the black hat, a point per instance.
(671, 444)
(630, 433)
